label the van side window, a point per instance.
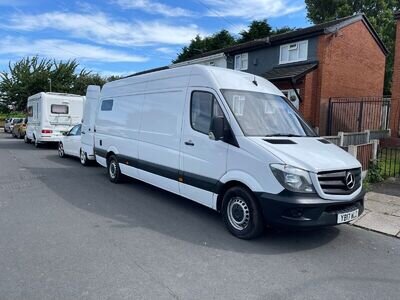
(203, 108)
(107, 105)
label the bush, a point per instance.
(374, 174)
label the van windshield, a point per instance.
(260, 114)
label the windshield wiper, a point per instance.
(285, 135)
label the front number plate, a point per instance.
(347, 217)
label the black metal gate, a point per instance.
(358, 114)
(389, 161)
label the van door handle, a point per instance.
(189, 143)
(82, 132)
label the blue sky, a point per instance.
(125, 36)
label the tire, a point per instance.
(61, 152)
(114, 172)
(83, 158)
(26, 140)
(37, 144)
(19, 135)
(242, 214)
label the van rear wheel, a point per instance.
(114, 172)
(242, 213)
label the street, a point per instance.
(69, 233)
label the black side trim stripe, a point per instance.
(201, 182)
(100, 152)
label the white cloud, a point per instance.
(166, 50)
(62, 49)
(100, 28)
(252, 9)
(154, 7)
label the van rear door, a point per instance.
(203, 159)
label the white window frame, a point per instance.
(244, 57)
(295, 47)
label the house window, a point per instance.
(293, 52)
(238, 105)
(241, 61)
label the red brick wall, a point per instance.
(351, 64)
(394, 118)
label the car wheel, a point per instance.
(61, 152)
(26, 140)
(19, 135)
(242, 213)
(83, 158)
(114, 172)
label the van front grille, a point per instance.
(343, 182)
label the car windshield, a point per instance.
(261, 114)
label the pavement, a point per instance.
(382, 209)
(66, 232)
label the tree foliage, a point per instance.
(379, 13)
(222, 39)
(32, 75)
(200, 45)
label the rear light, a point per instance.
(47, 131)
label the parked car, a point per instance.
(52, 114)
(19, 129)
(9, 124)
(70, 145)
(230, 141)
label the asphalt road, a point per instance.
(66, 232)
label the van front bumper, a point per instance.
(288, 209)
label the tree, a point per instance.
(379, 12)
(256, 30)
(32, 75)
(200, 45)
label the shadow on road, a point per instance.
(136, 204)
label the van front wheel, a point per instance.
(114, 172)
(242, 214)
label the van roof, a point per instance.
(193, 76)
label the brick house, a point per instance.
(341, 58)
(395, 116)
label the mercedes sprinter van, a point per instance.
(230, 141)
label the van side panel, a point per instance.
(160, 135)
(117, 130)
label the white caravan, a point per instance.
(52, 114)
(230, 141)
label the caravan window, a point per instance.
(30, 111)
(59, 109)
(204, 107)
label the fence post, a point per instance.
(368, 133)
(341, 138)
(353, 150)
(360, 115)
(375, 150)
(329, 127)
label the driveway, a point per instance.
(68, 233)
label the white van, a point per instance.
(230, 141)
(52, 114)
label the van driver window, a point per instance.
(203, 108)
(107, 105)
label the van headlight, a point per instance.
(293, 179)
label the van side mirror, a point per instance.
(217, 129)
